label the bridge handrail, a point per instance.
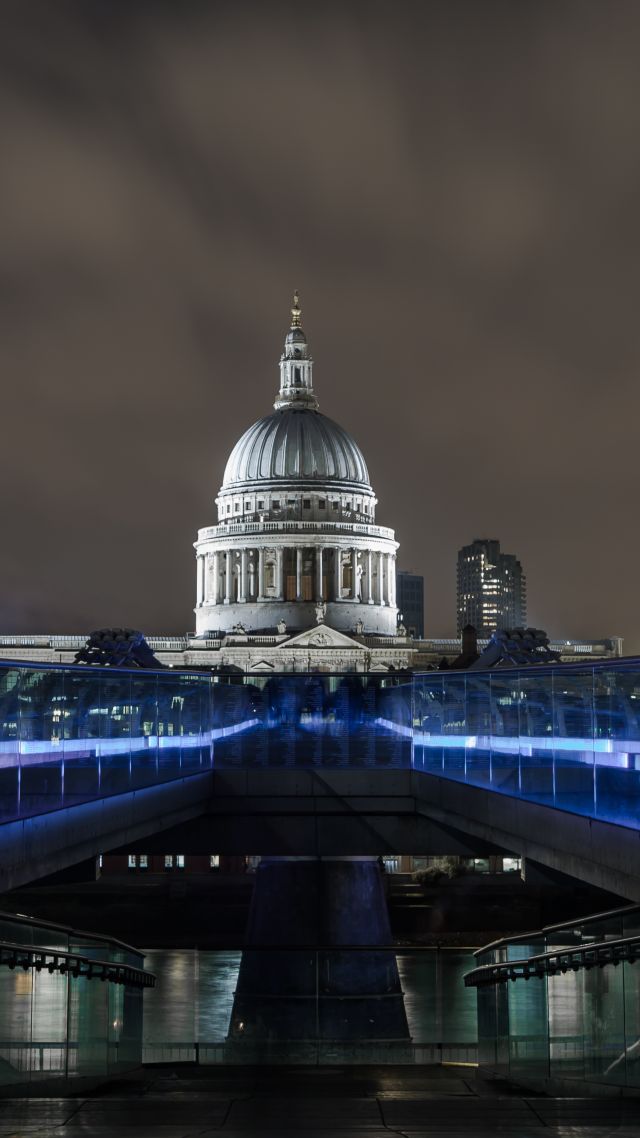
(14, 955)
(583, 956)
(539, 934)
(77, 934)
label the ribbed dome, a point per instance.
(296, 442)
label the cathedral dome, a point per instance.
(296, 442)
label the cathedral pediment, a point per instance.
(323, 637)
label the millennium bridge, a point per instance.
(335, 770)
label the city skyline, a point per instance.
(465, 263)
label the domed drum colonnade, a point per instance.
(296, 540)
(313, 570)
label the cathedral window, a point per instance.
(306, 502)
(260, 504)
(276, 503)
(321, 504)
(334, 505)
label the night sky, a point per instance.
(453, 186)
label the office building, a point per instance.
(491, 588)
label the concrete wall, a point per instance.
(34, 847)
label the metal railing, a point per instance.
(56, 1021)
(562, 1003)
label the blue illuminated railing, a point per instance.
(566, 736)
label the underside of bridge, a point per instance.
(323, 813)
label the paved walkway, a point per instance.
(319, 1102)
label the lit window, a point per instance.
(132, 861)
(179, 861)
(511, 864)
(168, 861)
(144, 861)
(214, 861)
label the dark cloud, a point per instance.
(453, 186)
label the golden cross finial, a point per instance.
(296, 312)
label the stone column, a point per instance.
(251, 554)
(389, 579)
(319, 573)
(242, 591)
(369, 577)
(279, 572)
(354, 575)
(216, 577)
(337, 565)
(261, 573)
(393, 578)
(228, 577)
(200, 579)
(298, 574)
(381, 578)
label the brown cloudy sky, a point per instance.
(454, 187)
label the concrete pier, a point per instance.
(289, 989)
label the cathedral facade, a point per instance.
(296, 544)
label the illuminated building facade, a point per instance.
(296, 542)
(492, 590)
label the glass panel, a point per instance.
(428, 750)
(115, 732)
(42, 720)
(81, 737)
(478, 730)
(505, 731)
(617, 747)
(536, 737)
(144, 731)
(10, 681)
(454, 714)
(573, 742)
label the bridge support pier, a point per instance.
(298, 980)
